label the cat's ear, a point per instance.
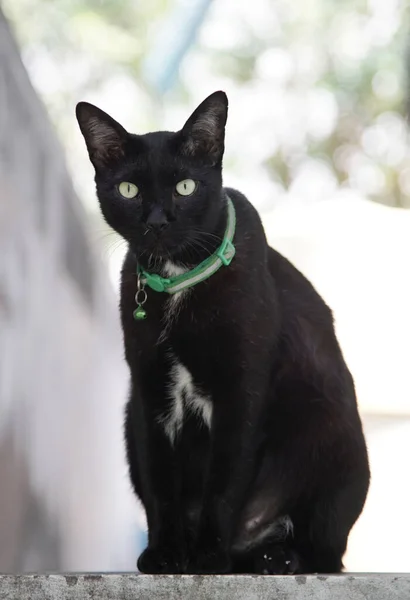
(105, 138)
(203, 135)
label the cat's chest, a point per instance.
(174, 303)
(184, 398)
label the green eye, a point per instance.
(127, 189)
(186, 187)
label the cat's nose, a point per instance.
(157, 220)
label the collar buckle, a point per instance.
(156, 282)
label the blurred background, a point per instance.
(317, 139)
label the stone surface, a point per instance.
(177, 587)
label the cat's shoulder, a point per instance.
(241, 203)
(249, 223)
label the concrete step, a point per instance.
(371, 586)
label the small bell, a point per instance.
(139, 314)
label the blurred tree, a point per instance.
(339, 68)
(332, 76)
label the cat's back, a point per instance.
(296, 294)
(307, 334)
(302, 321)
(295, 291)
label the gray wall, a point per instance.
(64, 493)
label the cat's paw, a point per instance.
(210, 563)
(154, 561)
(276, 560)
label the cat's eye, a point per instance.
(128, 190)
(186, 187)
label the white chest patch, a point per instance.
(184, 397)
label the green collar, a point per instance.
(222, 257)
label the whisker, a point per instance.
(113, 247)
(206, 245)
(207, 234)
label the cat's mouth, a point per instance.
(156, 246)
(174, 245)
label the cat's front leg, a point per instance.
(236, 425)
(166, 545)
(165, 552)
(160, 560)
(160, 482)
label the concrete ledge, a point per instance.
(177, 587)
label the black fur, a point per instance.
(282, 475)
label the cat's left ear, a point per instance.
(203, 135)
(105, 138)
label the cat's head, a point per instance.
(160, 191)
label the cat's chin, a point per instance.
(156, 256)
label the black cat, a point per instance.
(243, 437)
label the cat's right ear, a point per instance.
(105, 138)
